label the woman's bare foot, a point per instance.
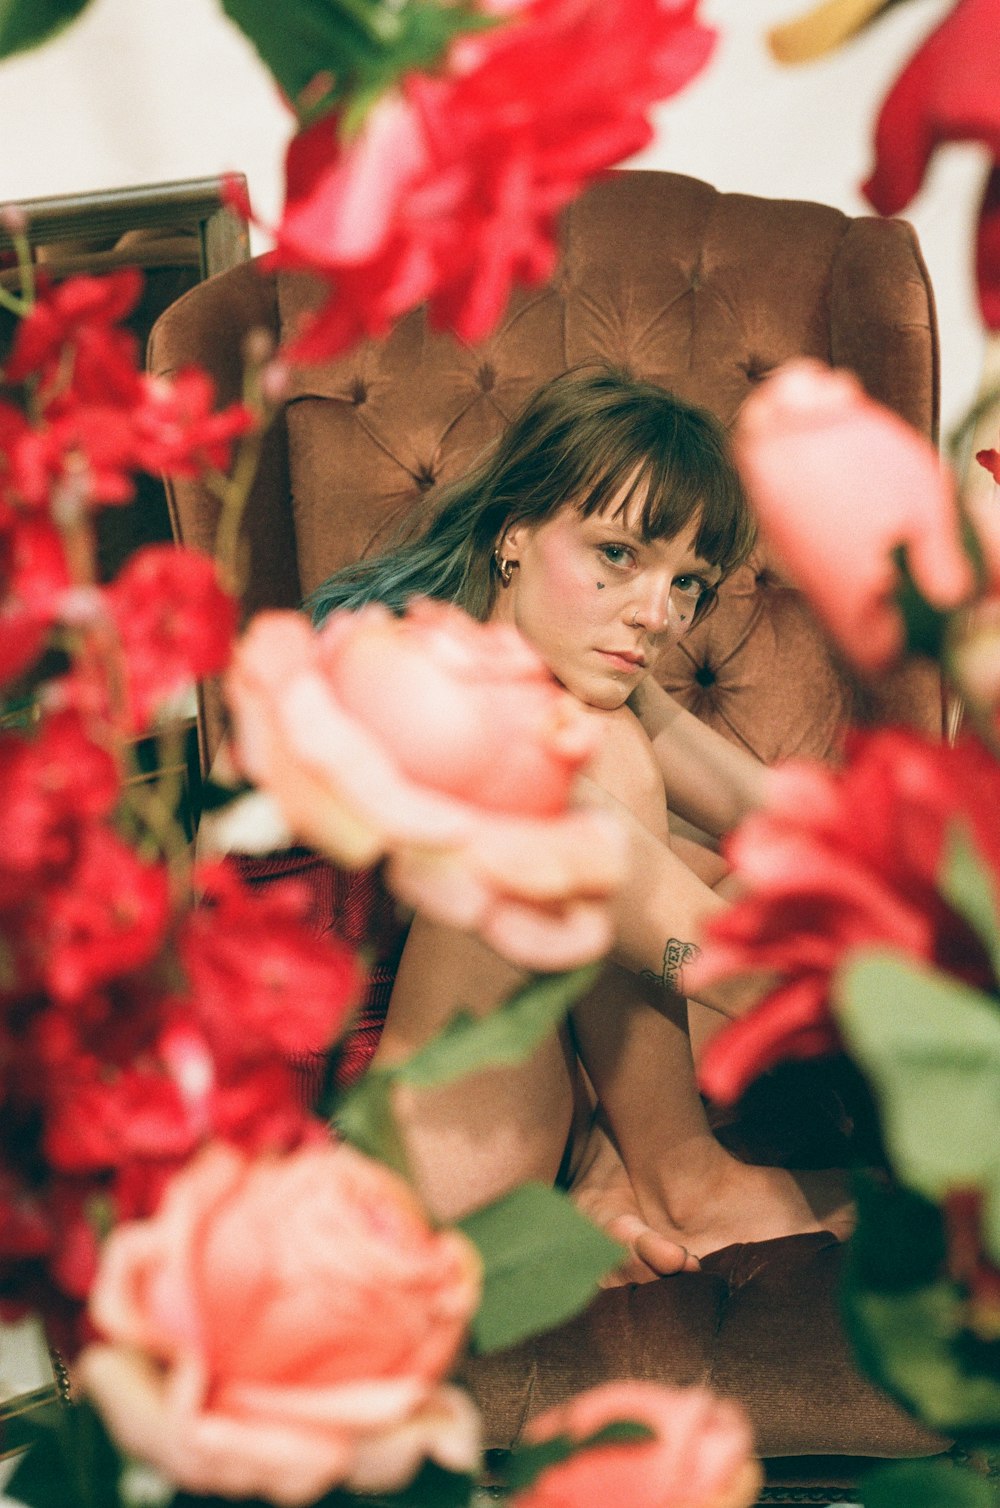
(600, 1188)
(707, 1200)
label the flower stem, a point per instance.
(233, 491)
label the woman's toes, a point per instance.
(651, 1255)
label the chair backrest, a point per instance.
(700, 291)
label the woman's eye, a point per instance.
(690, 587)
(617, 555)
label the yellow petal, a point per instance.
(822, 29)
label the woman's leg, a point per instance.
(472, 1141)
(633, 1039)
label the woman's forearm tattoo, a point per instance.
(675, 955)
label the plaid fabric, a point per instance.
(356, 907)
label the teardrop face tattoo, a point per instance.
(600, 586)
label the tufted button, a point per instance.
(425, 478)
(486, 377)
(705, 675)
(695, 280)
(756, 369)
(359, 391)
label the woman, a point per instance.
(600, 526)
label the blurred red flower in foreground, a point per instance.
(451, 190)
(947, 92)
(838, 861)
(100, 418)
(83, 313)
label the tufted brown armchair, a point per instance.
(704, 293)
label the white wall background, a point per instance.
(145, 91)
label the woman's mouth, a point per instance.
(627, 660)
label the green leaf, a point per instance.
(466, 1044)
(925, 625)
(930, 1046)
(542, 1261)
(966, 883)
(365, 1118)
(360, 47)
(915, 1346)
(432, 1487)
(70, 1459)
(27, 23)
(899, 1242)
(908, 1322)
(525, 1463)
(926, 1484)
(503, 1037)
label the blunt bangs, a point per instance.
(675, 466)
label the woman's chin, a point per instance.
(603, 693)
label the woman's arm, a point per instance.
(663, 906)
(708, 780)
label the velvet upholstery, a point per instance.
(704, 293)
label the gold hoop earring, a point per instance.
(505, 567)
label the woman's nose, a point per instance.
(652, 610)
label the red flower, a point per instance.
(45, 1238)
(947, 92)
(141, 1119)
(174, 427)
(83, 454)
(839, 861)
(51, 784)
(451, 191)
(106, 916)
(990, 460)
(100, 1119)
(102, 418)
(294, 989)
(70, 338)
(34, 573)
(175, 623)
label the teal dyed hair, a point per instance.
(581, 440)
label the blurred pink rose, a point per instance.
(446, 745)
(282, 1326)
(837, 483)
(701, 1457)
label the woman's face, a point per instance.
(597, 601)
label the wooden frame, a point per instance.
(192, 209)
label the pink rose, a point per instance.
(283, 1326)
(701, 1455)
(446, 745)
(837, 483)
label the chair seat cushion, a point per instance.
(759, 1323)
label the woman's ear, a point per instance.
(512, 541)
